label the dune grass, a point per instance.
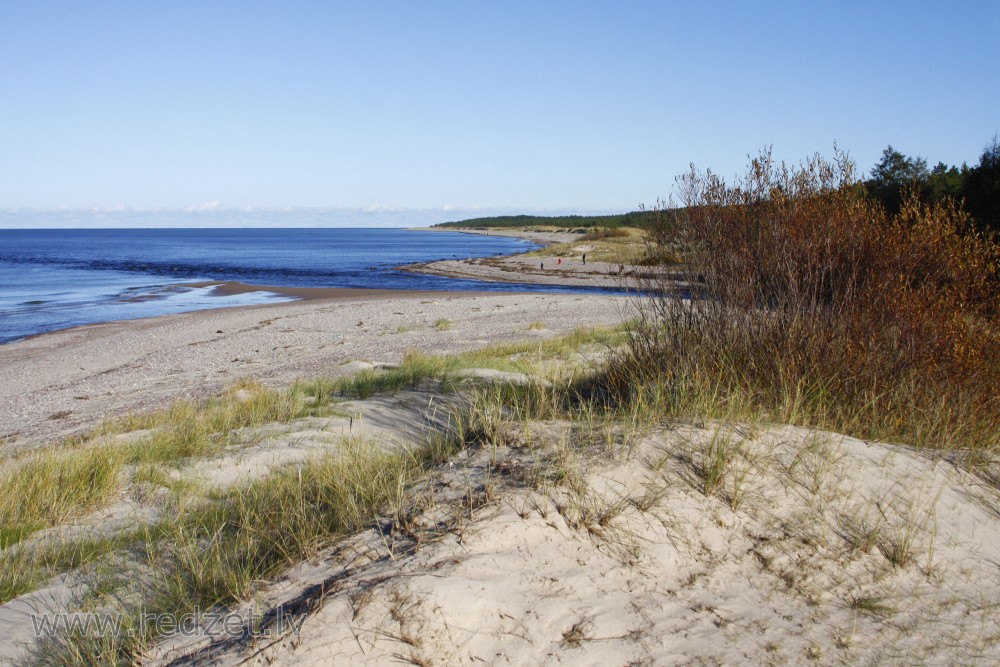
(222, 549)
(54, 486)
(806, 314)
(212, 554)
(218, 552)
(418, 366)
(611, 233)
(213, 550)
(27, 567)
(57, 485)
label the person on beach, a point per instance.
(585, 259)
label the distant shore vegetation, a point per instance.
(974, 189)
(567, 222)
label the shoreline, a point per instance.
(543, 239)
(224, 289)
(233, 288)
(609, 538)
(62, 383)
(227, 288)
(517, 268)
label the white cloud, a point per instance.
(214, 205)
(216, 214)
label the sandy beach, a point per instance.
(639, 566)
(520, 269)
(357, 334)
(573, 271)
(59, 383)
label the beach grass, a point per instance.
(819, 330)
(220, 547)
(418, 366)
(25, 568)
(57, 485)
(54, 486)
(215, 553)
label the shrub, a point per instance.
(806, 301)
(601, 234)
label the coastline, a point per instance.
(60, 382)
(518, 268)
(64, 382)
(235, 288)
(147, 276)
(541, 238)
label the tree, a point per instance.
(893, 173)
(945, 181)
(982, 188)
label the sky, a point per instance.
(394, 112)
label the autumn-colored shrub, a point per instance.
(803, 299)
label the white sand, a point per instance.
(639, 566)
(788, 561)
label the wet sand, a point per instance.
(232, 288)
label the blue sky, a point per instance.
(450, 107)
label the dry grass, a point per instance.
(612, 233)
(217, 550)
(222, 549)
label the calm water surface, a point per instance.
(57, 278)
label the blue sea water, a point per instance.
(57, 278)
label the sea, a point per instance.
(53, 279)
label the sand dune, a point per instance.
(816, 548)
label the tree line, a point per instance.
(895, 174)
(631, 219)
(977, 186)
